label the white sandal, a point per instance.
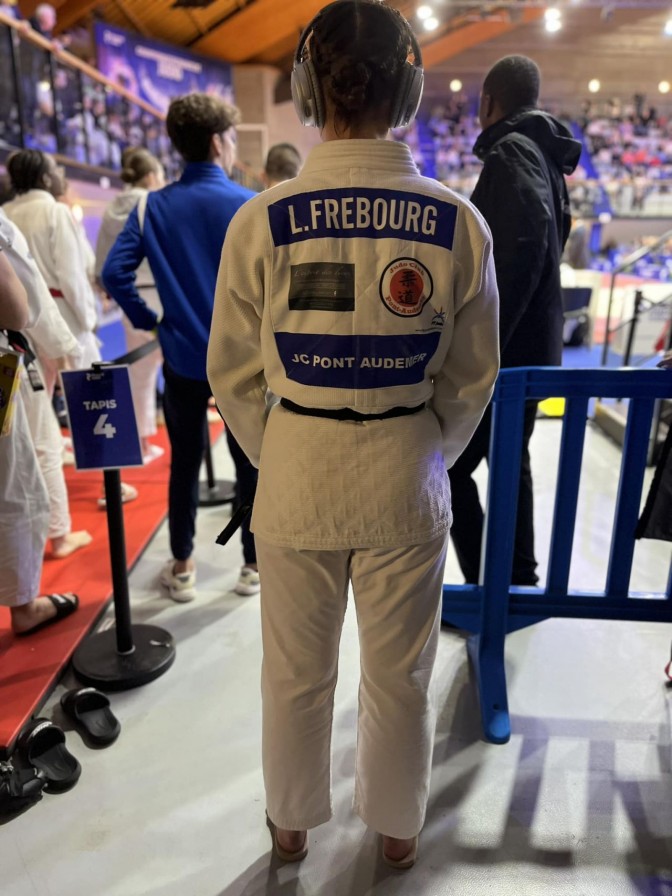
(128, 493)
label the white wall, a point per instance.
(254, 88)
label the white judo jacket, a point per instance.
(363, 285)
(49, 334)
(56, 247)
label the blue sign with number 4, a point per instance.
(102, 418)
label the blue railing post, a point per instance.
(492, 608)
(506, 438)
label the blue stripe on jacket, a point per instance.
(183, 231)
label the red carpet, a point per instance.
(31, 666)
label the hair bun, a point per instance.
(128, 175)
(349, 82)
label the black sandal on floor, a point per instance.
(90, 709)
(41, 744)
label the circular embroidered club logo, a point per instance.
(405, 287)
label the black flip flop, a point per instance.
(64, 604)
(90, 710)
(42, 745)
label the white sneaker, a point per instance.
(248, 582)
(181, 587)
(153, 452)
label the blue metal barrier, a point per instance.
(493, 608)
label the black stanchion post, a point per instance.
(207, 457)
(117, 535)
(213, 491)
(127, 655)
(639, 298)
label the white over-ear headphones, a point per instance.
(307, 92)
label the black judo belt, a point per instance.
(348, 413)
(234, 523)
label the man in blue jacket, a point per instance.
(522, 195)
(180, 230)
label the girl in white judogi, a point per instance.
(141, 172)
(363, 296)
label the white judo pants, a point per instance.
(48, 443)
(397, 593)
(24, 514)
(143, 375)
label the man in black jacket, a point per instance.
(522, 195)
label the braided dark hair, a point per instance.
(27, 169)
(358, 48)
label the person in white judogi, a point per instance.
(363, 296)
(51, 340)
(51, 233)
(24, 500)
(141, 172)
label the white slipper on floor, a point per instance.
(128, 493)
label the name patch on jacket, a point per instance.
(356, 362)
(322, 286)
(362, 212)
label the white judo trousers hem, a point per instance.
(397, 594)
(24, 514)
(48, 443)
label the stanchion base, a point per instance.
(97, 663)
(222, 492)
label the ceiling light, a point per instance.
(431, 24)
(455, 85)
(424, 12)
(552, 19)
(664, 87)
(594, 85)
(668, 28)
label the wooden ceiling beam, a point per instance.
(133, 18)
(471, 35)
(70, 12)
(279, 52)
(257, 28)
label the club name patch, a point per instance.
(354, 212)
(364, 361)
(405, 287)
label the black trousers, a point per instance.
(185, 408)
(468, 516)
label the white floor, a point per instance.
(579, 803)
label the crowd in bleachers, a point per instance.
(66, 112)
(630, 146)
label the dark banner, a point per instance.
(155, 71)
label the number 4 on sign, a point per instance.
(104, 429)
